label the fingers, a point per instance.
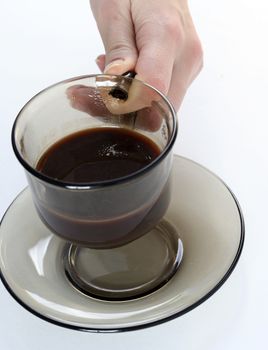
(149, 119)
(87, 99)
(94, 102)
(187, 66)
(159, 40)
(157, 52)
(116, 29)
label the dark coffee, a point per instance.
(97, 154)
(104, 216)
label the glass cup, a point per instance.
(117, 247)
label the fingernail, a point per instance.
(99, 63)
(114, 67)
(97, 60)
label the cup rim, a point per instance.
(96, 184)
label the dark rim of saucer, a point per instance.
(153, 323)
(92, 185)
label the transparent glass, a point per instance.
(106, 215)
(203, 210)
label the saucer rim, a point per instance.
(151, 323)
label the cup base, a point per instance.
(126, 272)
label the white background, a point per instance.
(223, 125)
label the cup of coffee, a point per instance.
(98, 166)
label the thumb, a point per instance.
(116, 30)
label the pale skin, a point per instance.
(155, 38)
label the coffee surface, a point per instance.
(97, 154)
(105, 217)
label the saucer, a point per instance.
(207, 218)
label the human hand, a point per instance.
(154, 38)
(97, 102)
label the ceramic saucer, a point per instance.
(206, 216)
